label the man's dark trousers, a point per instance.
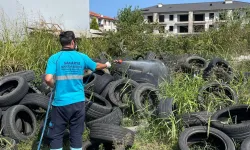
(73, 114)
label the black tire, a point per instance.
(139, 57)
(27, 127)
(9, 122)
(197, 134)
(165, 108)
(1, 112)
(220, 90)
(150, 56)
(220, 68)
(131, 72)
(8, 143)
(102, 82)
(144, 78)
(99, 72)
(111, 133)
(113, 118)
(176, 61)
(90, 145)
(239, 129)
(28, 75)
(194, 64)
(245, 145)
(138, 97)
(7, 107)
(44, 88)
(196, 118)
(97, 107)
(33, 89)
(117, 76)
(90, 80)
(121, 68)
(35, 100)
(19, 124)
(106, 90)
(116, 93)
(20, 89)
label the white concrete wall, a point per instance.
(108, 26)
(71, 15)
(175, 22)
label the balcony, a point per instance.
(182, 19)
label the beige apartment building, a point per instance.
(191, 18)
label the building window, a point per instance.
(211, 16)
(199, 17)
(211, 26)
(171, 28)
(161, 18)
(199, 28)
(99, 22)
(150, 18)
(171, 17)
(183, 18)
(183, 29)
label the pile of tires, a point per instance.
(227, 126)
(20, 105)
(210, 70)
(128, 91)
(110, 101)
(228, 123)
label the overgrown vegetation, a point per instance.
(24, 50)
(94, 24)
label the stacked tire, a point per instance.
(106, 109)
(227, 125)
(20, 101)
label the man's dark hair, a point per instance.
(66, 37)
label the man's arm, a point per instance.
(90, 64)
(101, 66)
(50, 71)
(49, 80)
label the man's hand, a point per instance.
(108, 64)
(101, 66)
(49, 80)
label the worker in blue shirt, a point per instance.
(64, 72)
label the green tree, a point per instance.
(94, 24)
(132, 33)
(130, 20)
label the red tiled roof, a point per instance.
(91, 13)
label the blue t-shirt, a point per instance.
(68, 69)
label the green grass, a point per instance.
(163, 134)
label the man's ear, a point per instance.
(72, 42)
